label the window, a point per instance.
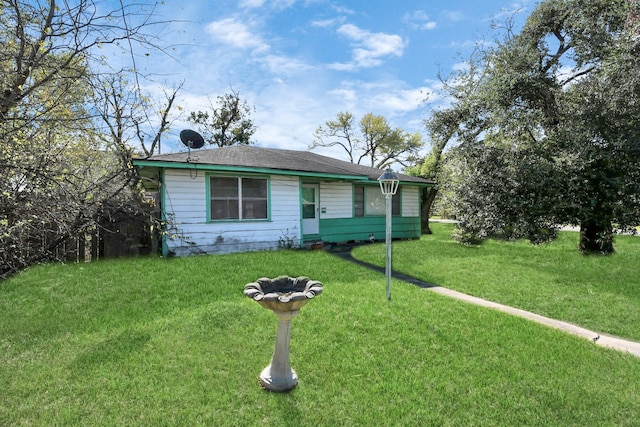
(369, 201)
(308, 202)
(238, 198)
(358, 200)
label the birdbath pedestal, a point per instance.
(284, 296)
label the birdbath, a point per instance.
(284, 296)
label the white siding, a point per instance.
(189, 231)
(184, 196)
(336, 200)
(410, 201)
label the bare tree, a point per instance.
(129, 118)
(59, 178)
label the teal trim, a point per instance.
(311, 238)
(238, 174)
(163, 214)
(345, 229)
(246, 169)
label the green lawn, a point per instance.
(173, 342)
(555, 280)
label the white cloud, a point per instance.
(419, 20)
(276, 4)
(348, 96)
(431, 25)
(461, 66)
(287, 114)
(369, 48)
(342, 66)
(251, 4)
(344, 10)
(280, 65)
(402, 100)
(327, 22)
(236, 34)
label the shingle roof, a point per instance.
(277, 159)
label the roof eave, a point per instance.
(245, 169)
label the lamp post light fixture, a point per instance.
(388, 185)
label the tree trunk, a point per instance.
(596, 238)
(428, 196)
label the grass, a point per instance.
(597, 292)
(164, 342)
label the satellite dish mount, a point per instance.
(191, 139)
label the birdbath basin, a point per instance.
(284, 296)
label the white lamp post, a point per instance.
(388, 185)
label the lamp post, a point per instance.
(388, 185)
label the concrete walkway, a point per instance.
(603, 340)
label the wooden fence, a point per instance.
(111, 239)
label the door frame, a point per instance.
(315, 231)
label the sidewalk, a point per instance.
(603, 340)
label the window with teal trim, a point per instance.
(238, 198)
(369, 201)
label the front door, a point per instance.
(310, 217)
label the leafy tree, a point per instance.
(441, 127)
(549, 128)
(444, 127)
(228, 122)
(59, 179)
(447, 181)
(373, 140)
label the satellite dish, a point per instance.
(191, 138)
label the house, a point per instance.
(245, 198)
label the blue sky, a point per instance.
(301, 62)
